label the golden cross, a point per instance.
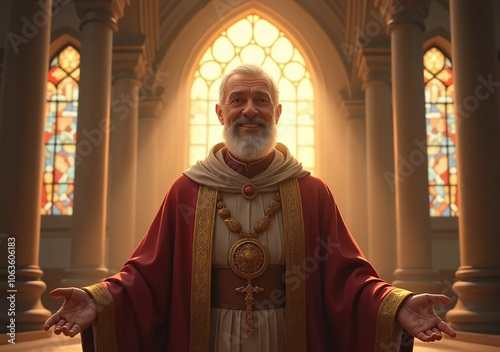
(249, 290)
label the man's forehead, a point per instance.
(242, 82)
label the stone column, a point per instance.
(149, 196)
(98, 23)
(22, 113)
(478, 134)
(355, 210)
(128, 67)
(405, 19)
(374, 64)
(2, 58)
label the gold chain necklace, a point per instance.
(248, 257)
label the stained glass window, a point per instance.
(254, 40)
(60, 133)
(441, 134)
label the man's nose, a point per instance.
(250, 109)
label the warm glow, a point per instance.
(441, 134)
(60, 133)
(254, 40)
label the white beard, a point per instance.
(253, 146)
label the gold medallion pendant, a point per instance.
(248, 257)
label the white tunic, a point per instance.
(227, 327)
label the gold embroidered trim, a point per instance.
(293, 222)
(201, 279)
(387, 328)
(105, 341)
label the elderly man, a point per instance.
(248, 252)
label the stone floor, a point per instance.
(52, 344)
(451, 345)
(64, 344)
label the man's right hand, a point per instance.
(77, 313)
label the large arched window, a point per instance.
(254, 40)
(60, 133)
(441, 134)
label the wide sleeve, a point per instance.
(101, 336)
(345, 317)
(151, 293)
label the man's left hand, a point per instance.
(418, 317)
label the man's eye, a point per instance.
(236, 100)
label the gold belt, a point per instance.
(224, 294)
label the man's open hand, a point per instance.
(418, 317)
(77, 313)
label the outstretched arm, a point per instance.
(77, 313)
(418, 317)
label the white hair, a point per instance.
(252, 70)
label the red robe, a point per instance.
(152, 292)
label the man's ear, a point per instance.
(277, 113)
(218, 111)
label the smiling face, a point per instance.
(249, 116)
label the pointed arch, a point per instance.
(328, 75)
(253, 39)
(63, 37)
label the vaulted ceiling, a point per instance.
(174, 14)
(158, 23)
